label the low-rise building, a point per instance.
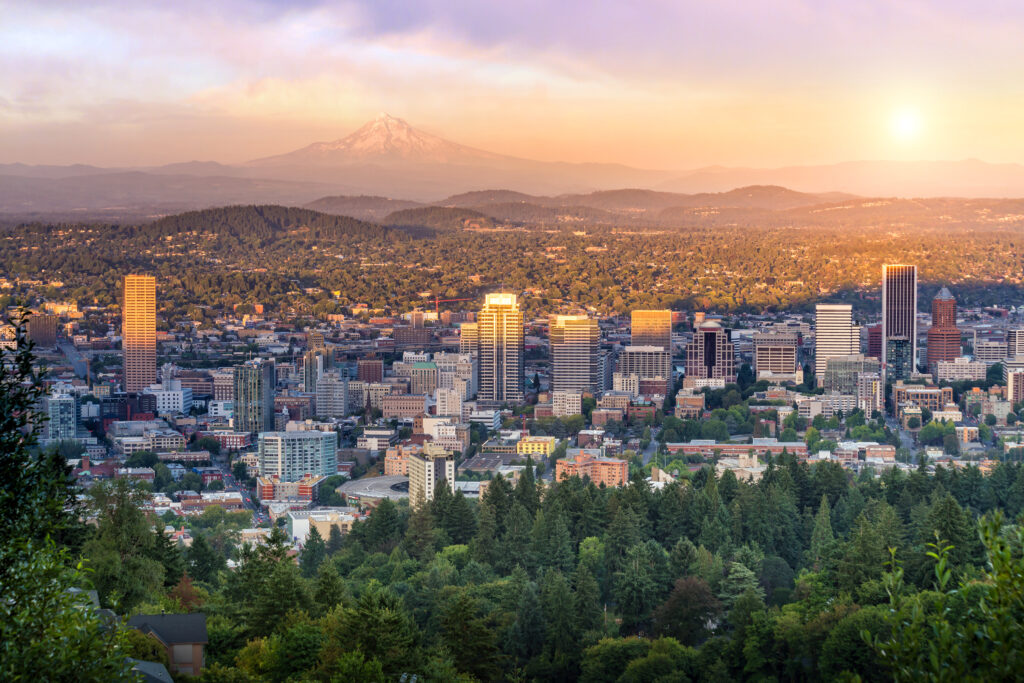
(606, 471)
(536, 445)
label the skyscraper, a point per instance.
(943, 335)
(651, 328)
(575, 343)
(899, 320)
(500, 328)
(711, 355)
(835, 335)
(469, 338)
(332, 395)
(138, 333)
(254, 396)
(292, 455)
(314, 365)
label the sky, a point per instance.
(666, 84)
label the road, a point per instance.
(377, 487)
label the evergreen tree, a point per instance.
(740, 580)
(483, 547)
(469, 639)
(329, 590)
(459, 522)
(822, 538)
(334, 541)
(421, 536)
(586, 600)
(516, 543)
(636, 588)
(313, 553)
(167, 554)
(526, 491)
(526, 637)
(121, 551)
(203, 561)
(685, 615)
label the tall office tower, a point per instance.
(575, 343)
(835, 335)
(416, 318)
(370, 370)
(651, 328)
(423, 378)
(943, 336)
(899, 321)
(875, 341)
(42, 330)
(254, 396)
(138, 335)
(500, 328)
(775, 356)
(290, 456)
(314, 364)
(469, 338)
(711, 355)
(332, 395)
(429, 468)
(1015, 342)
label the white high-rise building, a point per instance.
(292, 455)
(835, 335)
(332, 395)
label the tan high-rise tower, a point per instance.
(138, 331)
(651, 328)
(500, 328)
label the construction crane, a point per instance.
(438, 302)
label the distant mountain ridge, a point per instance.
(388, 157)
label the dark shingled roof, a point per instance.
(172, 628)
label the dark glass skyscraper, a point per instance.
(899, 320)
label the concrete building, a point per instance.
(536, 445)
(428, 469)
(990, 352)
(651, 328)
(314, 365)
(775, 357)
(1015, 387)
(255, 383)
(711, 355)
(566, 403)
(290, 456)
(607, 471)
(962, 369)
(870, 392)
(370, 370)
(42, 330)
(575, 348)
(469, 338)
(62, 411)
(138, 331)
(930, 397)
(841, 372)
(899, 321)
(835, 335)
(332, 395)
(171, 398)
(404, 406)
(500, 330)
(423, 376)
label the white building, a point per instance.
(960, 370)
(291, 455)
(835, 335)
(566, 403)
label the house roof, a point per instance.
(151, 672)
(172, 628)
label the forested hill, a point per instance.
(267, 222)
(439, 218)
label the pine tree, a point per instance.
(167, 553)
(421, 537)
(561, 622)
(469, 639)
(515, 546)
(528, 629)
(329, 589)
(203, 561)
(587, 600)
(483, 547)
(526, 491)
(635, 588)
(313, 553)
(739, 581)
(334, 540)
(459, 522)
(822, 538)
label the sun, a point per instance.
(905, 125)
